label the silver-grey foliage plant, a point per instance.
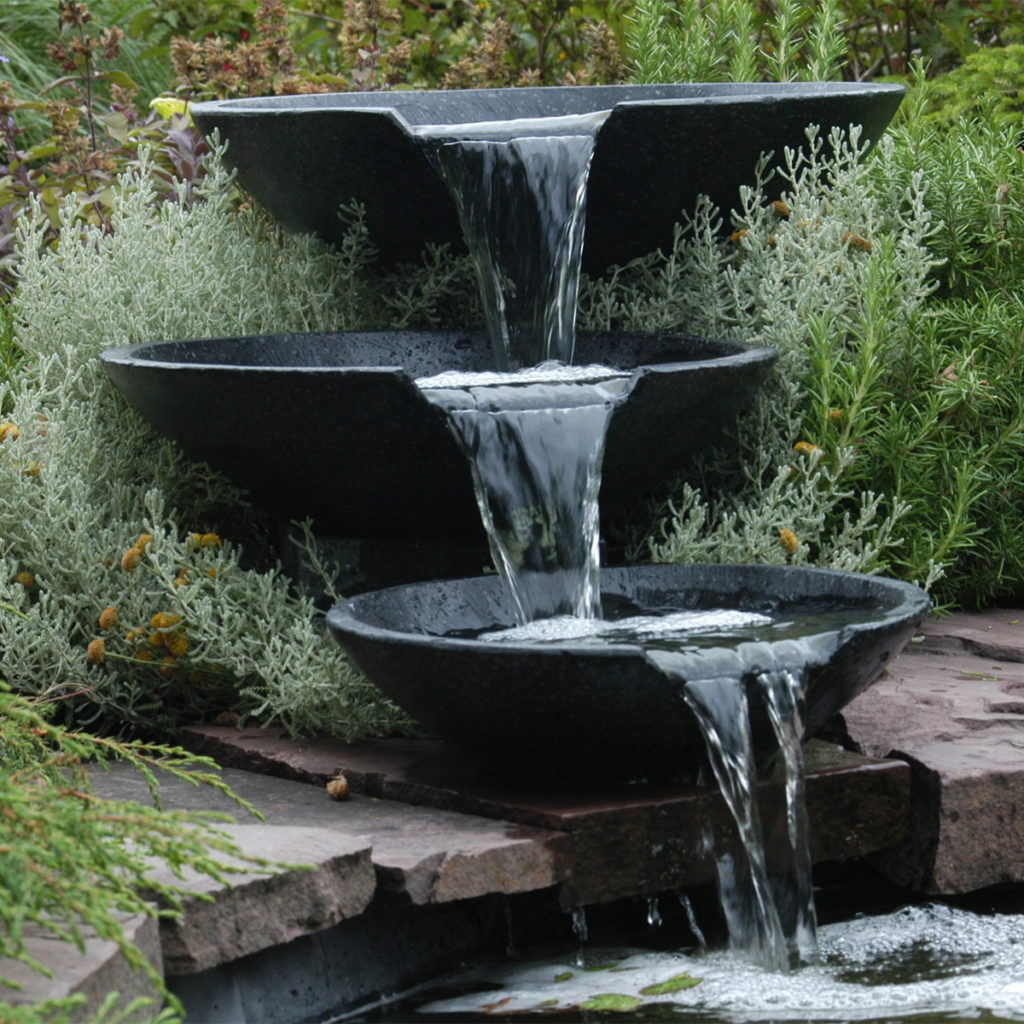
(118, 591)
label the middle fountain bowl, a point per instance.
(333, 426)
(572, 711)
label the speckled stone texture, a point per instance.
(350, 440)
(953, 707)
(578, 711)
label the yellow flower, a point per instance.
(209, 540)
(26, 579)
(108, 617)
(177, 644)
(805, 447)
(9, 430)
(168, 666)
(789, 541)
(168, 106)
(164, 620)
(835, 415)
(130, 559)
(96, 651)
(852, 239)
(738, 236)
(181, 579)
(143, 542)
(781, 208)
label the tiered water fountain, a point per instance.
(554, 669)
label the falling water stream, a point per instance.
(534, 435)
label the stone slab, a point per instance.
(418, 854)
(953, 707)
(323, 876)
(624, 840)
(93, 973)
(993, 633)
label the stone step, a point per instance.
(952, 707)
(622, 840)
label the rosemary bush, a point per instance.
(893, 436)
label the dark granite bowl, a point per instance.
(662, 145)
(571, 711)
(332, 426)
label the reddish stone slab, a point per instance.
(626, 840)
(953, 708)
(993, 633)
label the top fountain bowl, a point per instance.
(303, 157)
(571, 711)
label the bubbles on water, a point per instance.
(549, 372)
(973, 970)
(516, 127)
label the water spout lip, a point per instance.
(415, 107)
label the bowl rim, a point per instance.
(910, 602)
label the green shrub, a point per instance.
(893, 289)
(988, 80)
(73, 861)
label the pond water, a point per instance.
(927, 963)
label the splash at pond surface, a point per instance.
(928, 964)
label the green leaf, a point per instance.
(612, 1002)
(677, 983)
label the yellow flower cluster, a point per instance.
(790, 541)
(9, 430)
(131, 557)
(164, 642)
(805, 448)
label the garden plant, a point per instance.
(139, 590)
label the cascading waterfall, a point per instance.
(534, 439)
(534, 443)
(520, 191)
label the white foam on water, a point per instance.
(544, 373)
(640, 627)
(516, 127)
(918, 961)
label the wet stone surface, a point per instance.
(616, 840)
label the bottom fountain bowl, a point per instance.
(578, 710)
